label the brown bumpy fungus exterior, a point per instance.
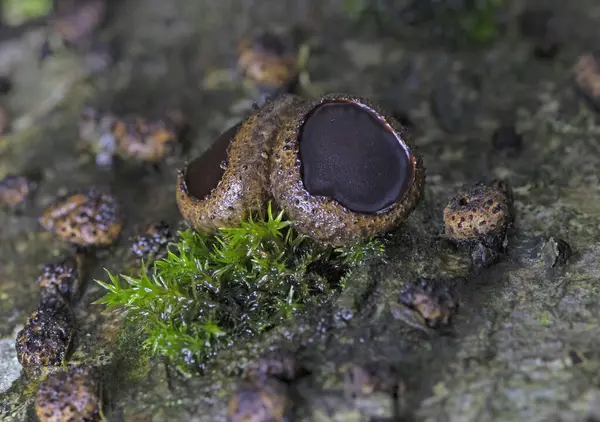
(45, 339)
(152, 240)
(61, 279)
(91, 218)
(479, 215)
(148, 141)
(14, 190)
(136, 138)
(210, 196)
(267, 59)
(71, 394)
(324, 218)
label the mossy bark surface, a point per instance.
(524, 343)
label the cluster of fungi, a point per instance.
(339, 167)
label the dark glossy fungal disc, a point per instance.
(351, 155)
(204, 173)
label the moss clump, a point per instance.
(18, 11)
(213, 289)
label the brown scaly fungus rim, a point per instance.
(324, 219)
(244, 186)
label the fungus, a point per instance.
(230, 179)
(343, 170)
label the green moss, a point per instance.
(130, 364)
(213, 289)
(479, 24)
(19, 11)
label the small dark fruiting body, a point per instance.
(433, 300)
(230, 179)
(131, 138)
(91, 218)
(72, 394)
(267, 59)
(14, 190)
(267, 401)
(342, 170)
(60, 279)
(479, 215)
(144, 140)
(45, 339)
(152, 240)
(586, 73)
